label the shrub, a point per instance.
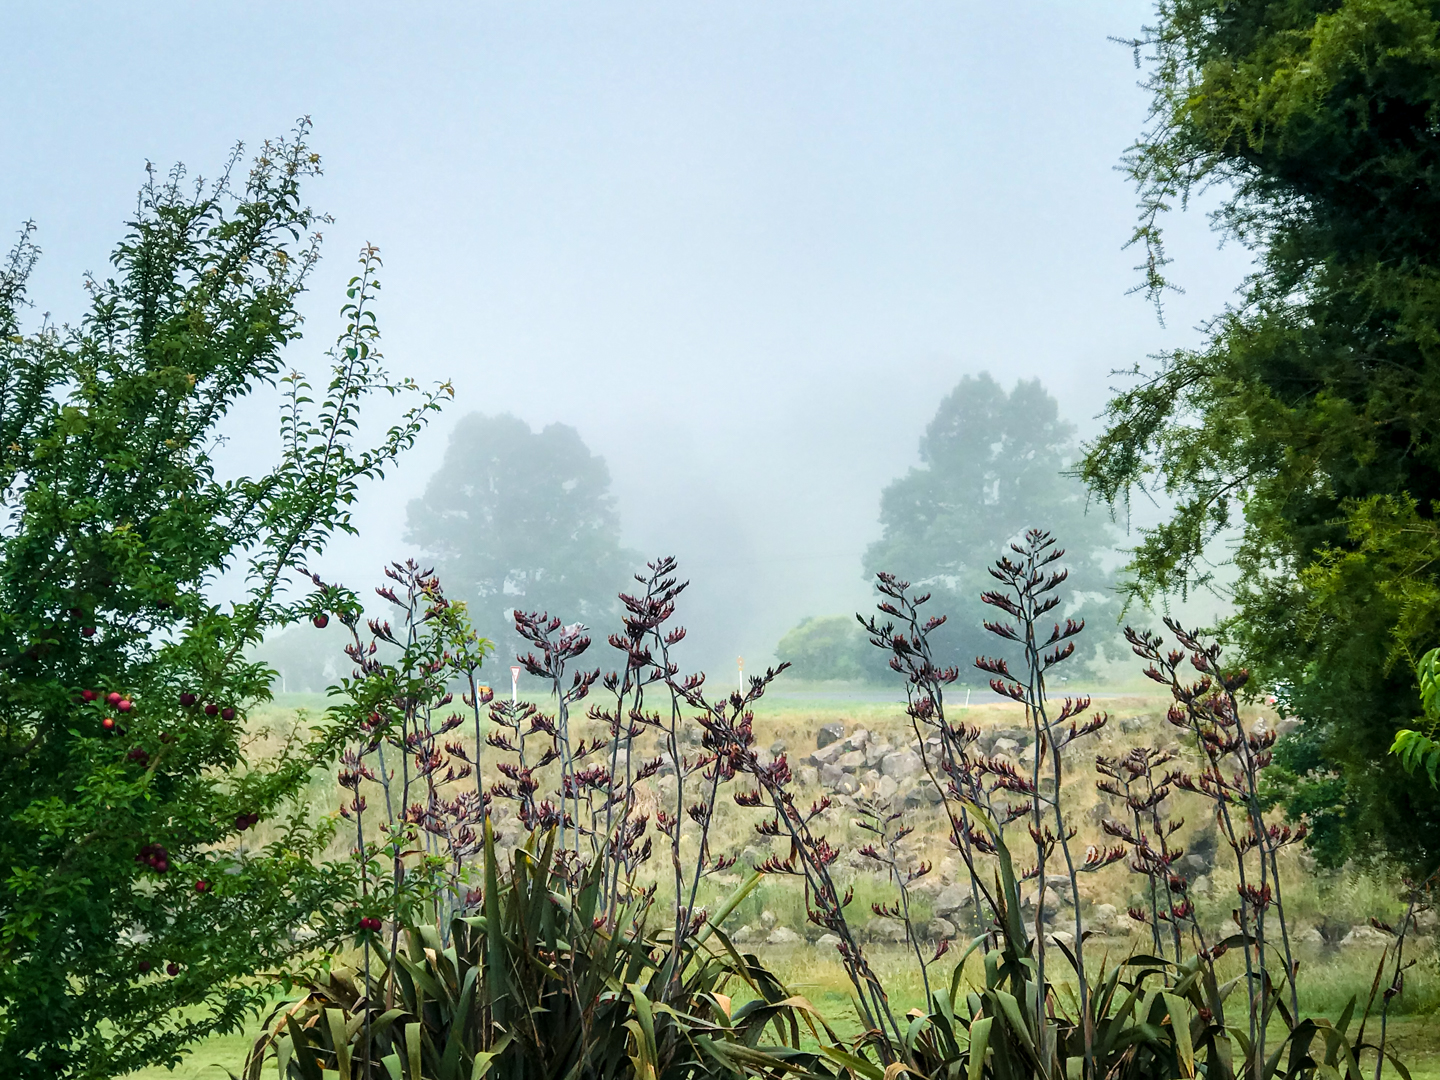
(131, 916)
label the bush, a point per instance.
(831, 647)
(132, 916)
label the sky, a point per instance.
(743, 248)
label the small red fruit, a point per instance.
(88, 695)
(76, 613)
(187, 699)
(172, 968)
(125, 705)
(227, 714)
(202, 886)
(108, 723)
(321, 621)
(211, 709)
(162, 867)
(113, 698)
(144, 966)
(87, 631)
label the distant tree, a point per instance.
(992, 465)
(831, 647)
(523, 519)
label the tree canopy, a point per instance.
(133, 912)
(1307, 417)
(523, 519)
(992, 465)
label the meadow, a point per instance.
(1329, 909)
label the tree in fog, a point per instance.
(522, 519)
(992, 465)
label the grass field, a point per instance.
(1331, 900)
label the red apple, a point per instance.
(321, 621)
(113, 698)
(211, 709)
(108, 723)
(202, 886)
(227, 713)
(87, 631)
(144, 966)
(125, 705)
(88, 695)
(187, 699)
(172, 968)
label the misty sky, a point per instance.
(744, 248)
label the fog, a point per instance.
(744, 249)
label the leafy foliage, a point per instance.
(540, 983)
(1306, 418)
(830, 647)
(131, 911)
(1418, 749)
(992, 463)
(522, 519)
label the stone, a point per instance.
(829, 733)
(940, 929)
(1131, 725)
(808, 775)
(1006, 747)
(885, 931)
(783, 935)
(1062, 937)
(857, 739)
(827, 756)
(1102, 919)
(1202, 887)
(847, 784)
(777, 748)
(875, 752)
(768, 920)
(830, 775)
(952, 898)
(746, 935)
(901, 763)
(1426, 920)
(886, 788)
(1310, 936)
(851, 762)
(826, 942)
(1193, 865)
(1365, 934)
